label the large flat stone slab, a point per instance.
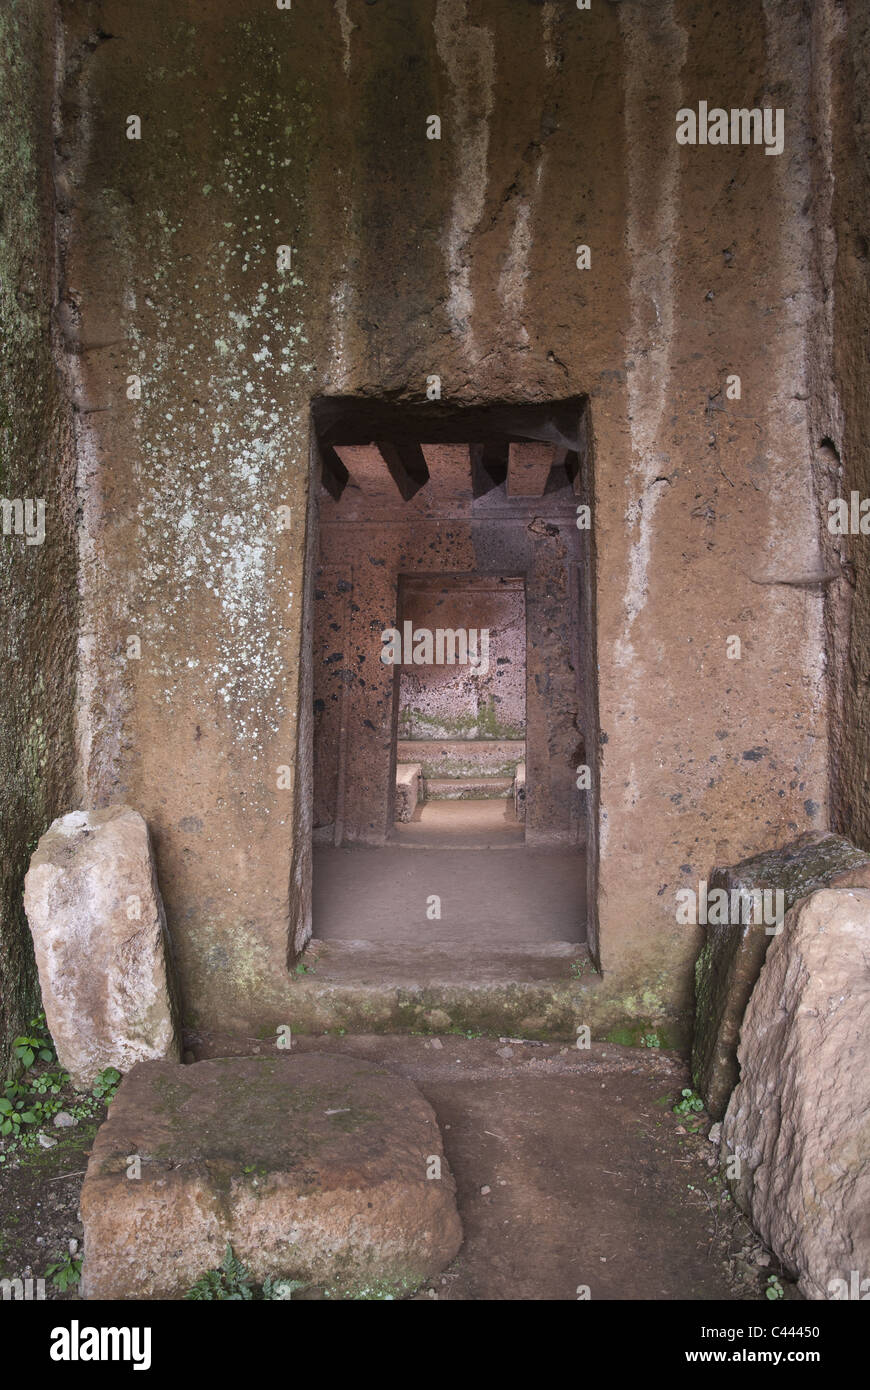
(101, 944)
(733, 953)
(799, 1120)
(313, 1168)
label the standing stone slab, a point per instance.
(799, 1120)
(102, 949)
(733, 953)
(314, 1168)
(407, 790)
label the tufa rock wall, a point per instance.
(455, 257)
(37, 463)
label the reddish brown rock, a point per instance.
(798, 1120)
(314, 1168)
(459, 261)
(733, 953)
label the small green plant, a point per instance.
(774, 1288)
(230, 1283)
(14, 1114)
(39, 1089)
(690, 1103)
(65, 1272)
(31, 1102)
(37, 1046)
(233, 1283)
(106, 1084)
(579, 968)
(49, 1083)
(650, 1040)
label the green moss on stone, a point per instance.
(485, 724)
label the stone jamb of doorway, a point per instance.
(403, 425)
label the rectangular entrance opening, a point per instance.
(453, 677)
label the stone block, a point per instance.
(463, 757)
(734, 952)
(520, 792)
(314, 1168)
(408, 783)
(799, 1119)
(468, 788)
(101, 943)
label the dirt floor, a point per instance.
(572, 1171)
(39, 1200)
(486, 897)
(475, 824)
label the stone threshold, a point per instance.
(427, 987)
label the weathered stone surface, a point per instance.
(468, 788)
(482, 237)
(407, 790)
(463, 757)
(312, 1167)
(520, 792)
(841, 373)
(733, 953)
(102, 949)
(38, 590)
(799, 1120)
